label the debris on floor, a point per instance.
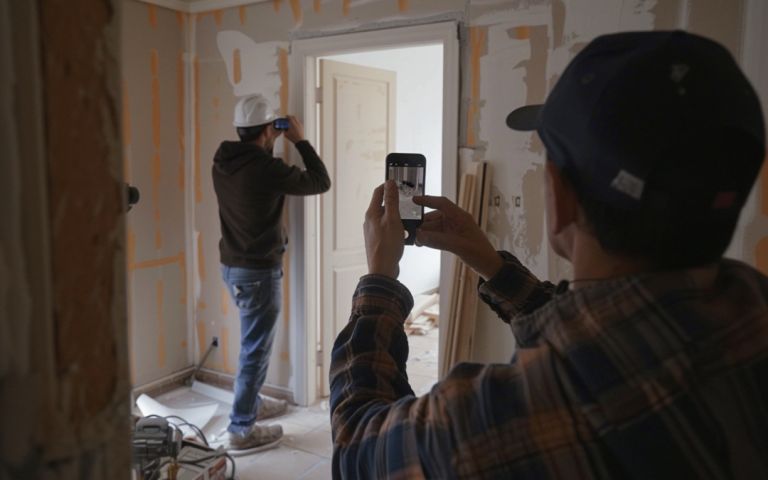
(421, 325)
(424, 316)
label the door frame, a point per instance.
(303, 73)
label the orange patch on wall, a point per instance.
(761, 255)
(131, 253)
(276, 4)
(298, 14)
(522, 33)
(183, 344)
(161, 356)
(218, 16)
(200, 258)
(156, 164)
(477, 40)
(180, 119)
(181, 19)
(224, 301)
(316, 6)
(201, 343)
(345, 7)
(243, 14)
(237, 72)
(157, 262)
(156, 171)
(227, 367)
(154, 66)
(152, 14)
(201, 305)
(156, 168)
(403, 5)
(284, 80)
(198, 179)
(183, 269)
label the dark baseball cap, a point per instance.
(653, 119)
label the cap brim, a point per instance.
(525, 118)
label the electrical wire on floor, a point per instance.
(152, 470)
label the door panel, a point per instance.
(357, 131)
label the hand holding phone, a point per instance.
(281, 124)
(383, 232)
(408, 171)
(295, 130)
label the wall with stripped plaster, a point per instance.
(154, 83)
(513, 52)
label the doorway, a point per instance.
(411, 75)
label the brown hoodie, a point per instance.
(251, 185)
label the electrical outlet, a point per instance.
(215, 341)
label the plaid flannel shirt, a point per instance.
(652, 376)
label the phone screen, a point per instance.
(410, 182)
(281, 124)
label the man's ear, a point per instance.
(563, 201)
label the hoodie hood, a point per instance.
(232, 156)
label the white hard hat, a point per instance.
(252, 111)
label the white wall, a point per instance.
(418, 130)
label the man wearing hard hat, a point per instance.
(251, 186)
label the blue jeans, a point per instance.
(258, 295)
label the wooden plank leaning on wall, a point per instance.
(474, 197)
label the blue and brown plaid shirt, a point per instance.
(652, 376)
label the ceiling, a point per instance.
(194, 6)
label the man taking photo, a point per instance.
(653, 362)
(251, 186)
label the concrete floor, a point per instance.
(306, 450)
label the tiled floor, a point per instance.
(306, 449)
(422, 361)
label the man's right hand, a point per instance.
(452, 229)
(295, 132)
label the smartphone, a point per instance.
(281, 124)
(408, 170)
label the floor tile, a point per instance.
(321, 471)
(317, 442)
(277, 464)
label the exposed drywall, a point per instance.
(154, 87)
(513, 52)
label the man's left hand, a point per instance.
(295, 132)
(384, 233)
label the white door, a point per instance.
(357, 131)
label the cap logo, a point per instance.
(628, 184)
(678, 72)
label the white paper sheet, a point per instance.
(197, 416)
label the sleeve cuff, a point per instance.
(378, 294)
(508, 292)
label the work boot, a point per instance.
(260, 437)
(271, 407)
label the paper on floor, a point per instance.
(197, 416)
